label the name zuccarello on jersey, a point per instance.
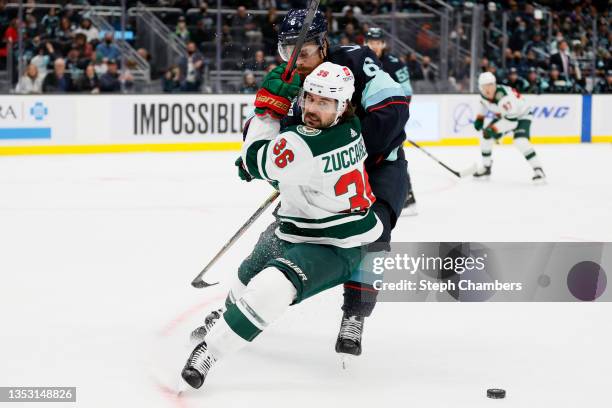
(345, 158)
(188, 118)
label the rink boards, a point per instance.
(45, 124)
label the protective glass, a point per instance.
(285, 50)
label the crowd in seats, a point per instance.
(579, 48)
(530, 59)
(63, 52)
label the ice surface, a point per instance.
(97, 253)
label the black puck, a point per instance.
(496, 393)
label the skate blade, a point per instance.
(346, 360)
(539, 182)
(482, 178)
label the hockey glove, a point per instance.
(479, 123)
(242, 171)
(274, 97)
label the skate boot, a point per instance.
(197, 336)
(483, 173)
(197, 366)
(538, 176)
(349, 337)
(410, 204)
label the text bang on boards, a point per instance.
(189, 118)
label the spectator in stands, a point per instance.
(112, 79)
(562, 59)
(50, 22)
(428, 72)
(58, 81)
(426, 42)
(554, 44)
(348, 18)
(557, 83)
(199, 34)
(101, 67)
(249, 85)
(84, 48)
(181, 31)
(172, 80)
(519, 63)
(416, 72)
(269, 31)
(192, 68)
(91, 33)
(30, 82)
(604, 86)
(107, 49)
(332, 23)
(258, 63)
(242, 24)
(537, 46)
(45, 54)
(520, 36)
(484, 65)
(73, 64)
(534, 84)
(4, 15)
(532, 61)
(349, 32)
(64, 35)
(8, 39)
(208, 20)
(515, 81)
(31, 26)
(89, 81)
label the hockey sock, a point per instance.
(486, 149)
(524, 146)
(265, 299)
(235, 292)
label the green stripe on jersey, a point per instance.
(323, 220)
(341, 231)
(329, 139)
(251, 158)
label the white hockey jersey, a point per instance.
(324, 189)
(507, 104)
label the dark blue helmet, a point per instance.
(289, 29)
(375, 33)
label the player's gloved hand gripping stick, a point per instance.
(290, 80)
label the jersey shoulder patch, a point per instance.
(307, 130)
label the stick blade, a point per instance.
(199, 284)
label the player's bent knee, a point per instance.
(269, 294)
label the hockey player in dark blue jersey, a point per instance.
(383, 109)
(375, 40)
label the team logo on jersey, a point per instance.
(308, 131)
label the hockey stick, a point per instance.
(467, 172)
(198, 282)
(312, 9)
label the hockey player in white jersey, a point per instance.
(325, 214)
(512, 115)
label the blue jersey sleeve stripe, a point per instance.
(379, 88)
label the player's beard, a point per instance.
(312, 120)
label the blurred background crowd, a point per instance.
(79, 46)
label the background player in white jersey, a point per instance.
(392, 65)
(325, 213)
(512, 114)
